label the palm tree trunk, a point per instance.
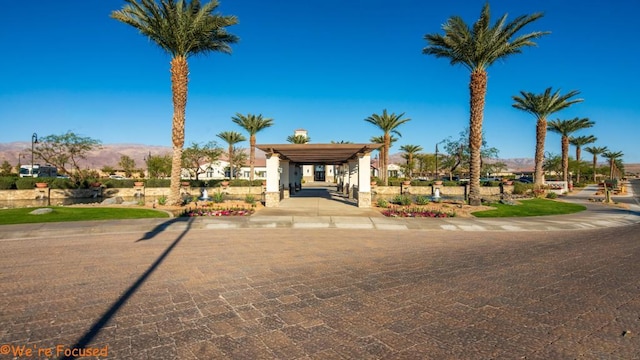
(410, 166)
(252, 155)
(478, 90)
(230, 162)
(541, 134)
(179, 87)
(595, 163)
(578, 162)
(565, 158)
(611, 165)
(385, 156)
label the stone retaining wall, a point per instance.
(232, 191)
(457, 191)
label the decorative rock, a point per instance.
(41, 211)
(113, 201)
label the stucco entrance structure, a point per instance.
(284, 173)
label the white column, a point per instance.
(364, 180)
(364, 172)
(272, 193)
(345, 177)
(353, 176)
(284, 176)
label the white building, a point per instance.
(219, 170)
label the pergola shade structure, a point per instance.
(283, 158)
(333, 154)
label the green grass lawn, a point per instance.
(532, 207)
(22, 216)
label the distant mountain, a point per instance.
(514, 165)
(108, 155)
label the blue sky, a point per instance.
(319, 65)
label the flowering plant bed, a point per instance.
(417, 212)
(211, 211)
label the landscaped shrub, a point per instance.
(552, 195)
(401, 200)
(522, 188)
(27, 183)
(158, 183)
(491, 183)
(382, 203)
(417, 212)
(422, 200)
(250, 199)
(195, 183)
(217, 197)
(59, 183)
(449, 183)
(162, 200)
(421, 183)
(395, 182)
(118, 183)
(7, 182)
(210, 211)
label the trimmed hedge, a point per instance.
(7, 182)
(157, 183)
(241, 182)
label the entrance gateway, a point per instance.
(284, 168)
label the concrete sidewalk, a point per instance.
(320, 212)
(317, 210)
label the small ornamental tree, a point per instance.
(65, 152)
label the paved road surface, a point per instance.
(324, 293)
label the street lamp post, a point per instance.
(147, 159)
(34, 140)
(436, 161)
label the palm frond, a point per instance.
(178, 27)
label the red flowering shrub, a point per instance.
(207, 211)
(417, 212)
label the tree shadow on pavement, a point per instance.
(162, 227)
(104, 319)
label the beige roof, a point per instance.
(318, 153)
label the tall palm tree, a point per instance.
(565, 128)
(252, 124)
(476, 48)
(410, 151)
(298, 139)
(380, 140)
(579, 142)
(612, 157)
(389, 124)
(541, 106)
(181, 29)
(595, 151)
(231, 138)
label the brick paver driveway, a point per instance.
(325, 294)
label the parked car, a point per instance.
(490, 179)
(525, 180)
(117, 177)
